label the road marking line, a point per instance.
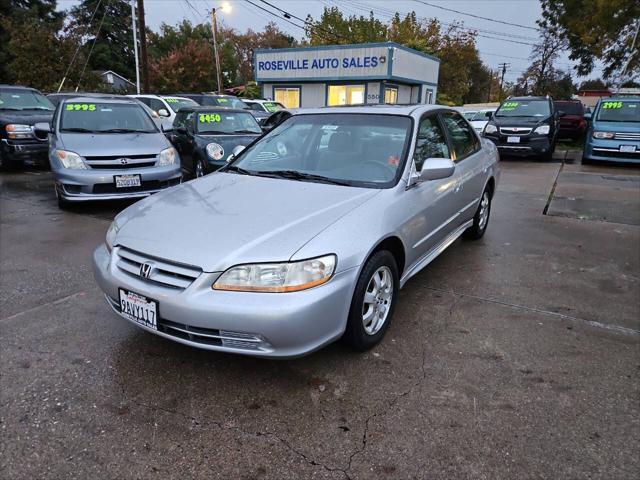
(38, 307)
(591, 323)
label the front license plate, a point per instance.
(139, 308)
(513, 139)
(627, 148)
(124, 181)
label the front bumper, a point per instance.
(604, 150)
(26, 152)
(278, 325)
(93, 184)
(528, 146)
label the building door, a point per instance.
(288, 96)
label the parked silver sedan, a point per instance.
(106, 148)
(306, 236)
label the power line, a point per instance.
(476, 16)
(95, 38)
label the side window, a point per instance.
(144, 100)
(462, 136)
(431, 142)
(156, 105)
(179, 120)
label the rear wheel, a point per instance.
(373, 302)
(481, 218)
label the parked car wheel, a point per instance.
(481, 218)
(200, 169)
(62, 203)
(373, 302)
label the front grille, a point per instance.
(163, 272)
(148, 185)
(212, 336)
(118, 162)
(627, 136)
(119, 166)
(515, 130)
(118, 157)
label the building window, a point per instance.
(288, 96)
(429, 96)
(110, 78)
(390, 95)
(345, 95)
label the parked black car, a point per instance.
(206, 136)
(20, 109)
(525, 126)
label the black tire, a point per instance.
(355, 334)
(62, 203)
(476, 231)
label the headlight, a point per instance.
(167, 157)
(18, 131)
(603, 134)
(71, 160)
(215, 151)
(110, 238)
(490, 128)
(542, 130)
(278, 277)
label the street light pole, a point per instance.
(214, 28)
(135, 44)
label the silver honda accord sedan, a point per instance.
(306, 236)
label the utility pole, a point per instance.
(143, 47)
(214, 28)
(135, 44)
(504, 70)
(490, 82)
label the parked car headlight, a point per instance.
(71, 160)
(110, 238)
(604, 134)
(542, 130)
(17, 131)
(167, 157)
(490, 128)
(277, 277)
(215, 151)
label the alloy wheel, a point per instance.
(377, 300)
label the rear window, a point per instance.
(570, 108)
(177, 103)
(93, 117)
(16, 99)
(619, 111)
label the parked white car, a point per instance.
(480, 118)
(165, 106)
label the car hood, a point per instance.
(225, 219)
(622, 127)
(25, 117)
(108, 144)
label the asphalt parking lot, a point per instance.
(514, 357)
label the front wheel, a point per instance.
(481, 218)
(373, 302)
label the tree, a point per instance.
(605, 30)
(113, 49)
(594, 84)
(185, 68)
(334, 28)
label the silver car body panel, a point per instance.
(108, 155)
(225, 219)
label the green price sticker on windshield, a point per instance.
(86, 107)
(209, 118)
(223, 100)
(172, 100)
(612, 105)
(509, 105)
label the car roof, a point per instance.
(16, 87)
(204, 108)
(620, 98)
(527, 97)
(405, 110)
(102, 99)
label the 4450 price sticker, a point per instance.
(87, 107)
(209, 118)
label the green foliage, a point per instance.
(594, 84)
(596, 30)
(251, 90)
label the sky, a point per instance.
(244, 15)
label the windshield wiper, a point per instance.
(38, 108)
(77, 130)
(295, 175)
(247, 131)
(124, 130)
(241, 171)
(213, 132)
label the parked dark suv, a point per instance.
(572, 123)
(20, 109)
(525, 126)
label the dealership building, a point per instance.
(346, 75)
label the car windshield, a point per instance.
(619, 111)
(366, 150)
(93, 117)
(479, 116)
(469, 114)
(524, 108)
(15, 99)
(177, 103)
(570, 108)
(228, 102)
(224, 123)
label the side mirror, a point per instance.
(437, 168)
(266, 128)
(587, 116)
(163, 113)
(488, 114)
(181, 130)
(235, 152)
(42, 129)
